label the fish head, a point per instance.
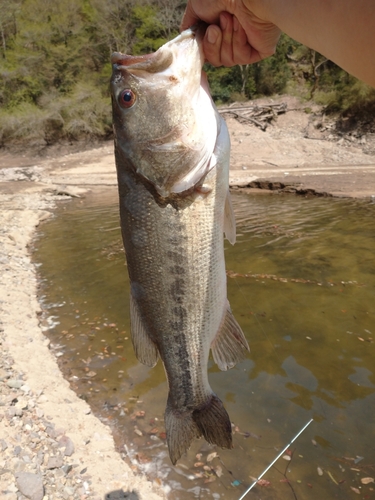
(165, 122)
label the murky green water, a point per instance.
(302, 285)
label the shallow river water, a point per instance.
(301, 282)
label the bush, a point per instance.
(83, 114)
(223, 83)
(349, 98)
(25, 123)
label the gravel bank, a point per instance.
(51, 447)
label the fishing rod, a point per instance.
(276, 459)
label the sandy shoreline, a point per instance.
(34, 396)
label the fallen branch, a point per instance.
(257, 115)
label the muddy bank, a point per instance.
(48, 437)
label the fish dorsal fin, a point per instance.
(229, 220)
(229, 346)
(144, 348)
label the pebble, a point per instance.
(30, 485)
(54, 463)
(15, 384)
(67, 443)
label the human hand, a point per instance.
(236, 34)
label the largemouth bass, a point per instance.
(172, 158)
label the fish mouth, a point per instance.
(160, 60)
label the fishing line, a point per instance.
(275, 460)
(257, 319)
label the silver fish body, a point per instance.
(172, 158)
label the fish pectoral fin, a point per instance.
(144, 348)
(229, 346)
(229, 220)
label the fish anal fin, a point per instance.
(144, 348)
(230, 345)
(229, 220)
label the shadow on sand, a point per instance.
(121, 495)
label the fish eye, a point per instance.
(127, 98)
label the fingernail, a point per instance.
(235, 23)
(223, 22)
(211, 35)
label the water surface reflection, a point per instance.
(301, 282)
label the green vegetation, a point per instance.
(55, 67)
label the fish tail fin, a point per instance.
(209, 420)
(181, 430)
(213, 422)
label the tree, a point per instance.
(112, 27)
(8, 25)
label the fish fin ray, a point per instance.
(194, 175)
(181, 430)
(144, 348)
(230, 345)
(229, 220)
(213, 422)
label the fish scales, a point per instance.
(173, 241)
